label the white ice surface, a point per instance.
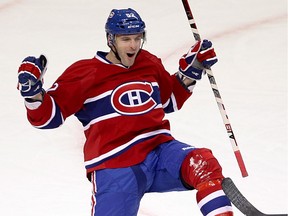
(42, 172)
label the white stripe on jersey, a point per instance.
(53, 112)
(111, 115)
(98, 97)
(125, 145)
(172, 99)
(101, 118)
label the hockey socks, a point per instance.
(212, 200)
(201, 170)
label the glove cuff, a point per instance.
(33, 104)
(181, 79)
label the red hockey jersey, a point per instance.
(121, 109)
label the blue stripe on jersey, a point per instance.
(56, 118)
(56, 121)
(170, 105)
(100, 107)
(95, 109)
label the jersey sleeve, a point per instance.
(44, 115)
(173, 92)
(64, 98)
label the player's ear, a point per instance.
(110, 39)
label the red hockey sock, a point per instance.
(212, 200)
(225, 214)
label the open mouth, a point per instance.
(130, 54)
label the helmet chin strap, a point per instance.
(115, 52)
(110, 43)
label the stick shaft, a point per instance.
(217, 95)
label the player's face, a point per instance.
(127, 47)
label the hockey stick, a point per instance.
(240, 201)
(217, 95)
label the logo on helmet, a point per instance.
(124, 21)
(133, 26)
(131, 15)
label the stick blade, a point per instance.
(240, 202)
(238, 199)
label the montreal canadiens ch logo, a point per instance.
(133, 98)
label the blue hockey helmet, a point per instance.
(124, 21)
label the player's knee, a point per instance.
(200, 166)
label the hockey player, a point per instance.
(121, 97)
